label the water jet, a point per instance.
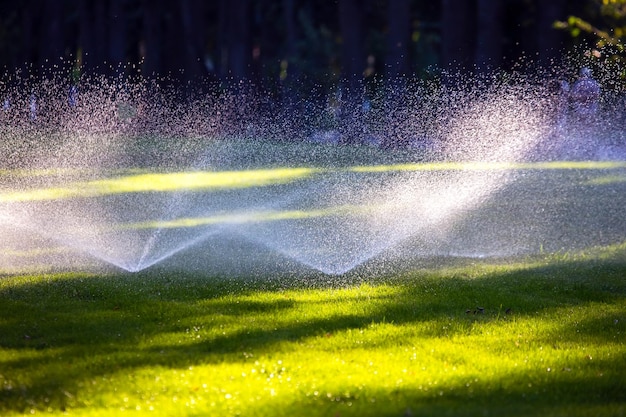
(132, 175)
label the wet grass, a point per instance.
(535, 337)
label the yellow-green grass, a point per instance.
(414, 343)
(69, 184)
(141, 182)
(529, 337)
(159, 182)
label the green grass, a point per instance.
(527, 337)
(551, 342)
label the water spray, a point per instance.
(134, 174)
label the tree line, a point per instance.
(283, 41)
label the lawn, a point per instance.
(533, 336)
(532, 333)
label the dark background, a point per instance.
(283, 41)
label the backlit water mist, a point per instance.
(131, 174)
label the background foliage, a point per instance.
(277, 42)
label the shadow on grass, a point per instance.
(62, 331)
(569, 398)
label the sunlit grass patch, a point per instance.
(160, 182)
(607, 180)
(525, 338)
(193, 180)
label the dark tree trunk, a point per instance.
(353, 64)
(100, 49)
(117, 34)
(27, 51)
(151, 45)
(193, 29)
(235, 37)
(240, 42)
(92, 36)
(458, 34)
(397, 62)
(289, 11)
(222, 44)
(85, 34)
(353, 60)
(173, 40)
(549, 40)
(489, 33)
(51, 42)
(289, 69)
